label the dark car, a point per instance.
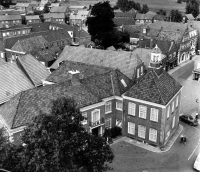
(188, 119)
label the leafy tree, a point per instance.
(179, 1)
(58, 142)
(138, 7)
(46, 8)
(161, 12)
(144, 9)
(176, 16)
(131, 5)
(192, 6)
(124, 5)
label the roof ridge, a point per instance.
(17, 108)
(155, 75)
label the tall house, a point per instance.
(151, 106)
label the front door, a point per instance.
(95, 131)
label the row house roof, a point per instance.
(15, 27)
(190, 16)
(27, 104)
(126, 62)
(9, 12)
(33, 17)
(22, 4)
(54, 15)
(10, 17)
(123, 21)
(124, 15)
(59, 9)
(153, 88)
(50, 36)
(148, 16)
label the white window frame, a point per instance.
(4, 34)
(177, 100)
(131, 128)
(138, 72)
(131, 108)
(142, 70)
(108, 104)
(92, 115)
(173, 106)
(168, 111)
(141, 113)
(153, 134)
(141, 131)
(119, 106)
(154, 115)
(109, 122)
(167, 135)
(173, 122)
(84, 114)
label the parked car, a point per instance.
(188, 119)
(197, 163)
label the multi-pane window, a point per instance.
(138, 72)
(142, 111)
(131, 128)
(84, 114)
(119, 105)
(154, 115)
(108, 123)
(177, 101)
(152, 134)
(108, 107)
(173, 106)
(131, 108)
(173, 122)
(168, 111)
(141, 131)
(142, 70)
(96, 115)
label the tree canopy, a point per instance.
(192, 7)
(58, 142)
(175, 16)
(102, 28)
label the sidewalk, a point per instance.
(149, 147)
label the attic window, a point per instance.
(123, 82)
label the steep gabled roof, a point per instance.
(13, 80)
(59, 9)
(153, 88)
(54, 15)
(190, 16)
(33, 68)
(126, 62)
(88, 91)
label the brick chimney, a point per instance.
(74, 76)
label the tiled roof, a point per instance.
(50, 36)
(123, 21)
(88, 91)
(86, 70)
(34, 17)
(22, 5)
(10, 17)
(54, 15)
(33, 68)
(15, 27)
(13, 81)
(38, 27)
(37, 46)
(59, 9)
(155, 89)
(189, 16)
(126, 62)
(9, 12)
(127, 15)
(147, 16)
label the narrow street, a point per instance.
(181, 157)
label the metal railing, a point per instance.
(96, 123)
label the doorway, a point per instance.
(97, 131)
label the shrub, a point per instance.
(116, 131)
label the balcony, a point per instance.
(96, 123)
